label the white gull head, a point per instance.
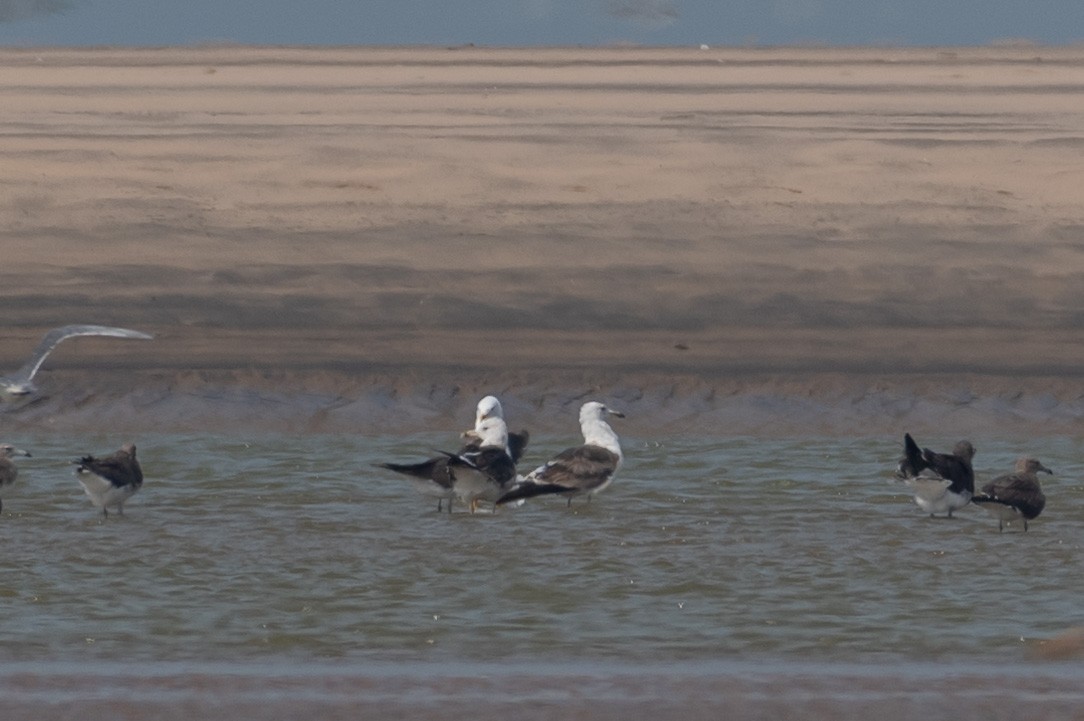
(488, 407)
(596, 431)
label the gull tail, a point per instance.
(416, 470)
(530, 490)
(912, 462)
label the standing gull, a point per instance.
(8, 470)
(486, 472)
(490, 407)
(581, 470)
(20, 383)
(941, 482)
(111, 480)
(1015, 495)
(434, 477)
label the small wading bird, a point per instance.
(436, 477)
(1015, 495)
(111, 480)
(20, 383)
(9, 472)
(941, 482)
(581, 470)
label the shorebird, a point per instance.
(941, 482)
(434, 477)
(581, 470)
(111, 480)
(490, 407)
(9, 472)
(1015, 495)
(20, 383)
(485, 472)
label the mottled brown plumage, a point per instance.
(9, 472)
(1016, 495)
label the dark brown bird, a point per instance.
(9, 472)
(110, 480)
(1015, 495)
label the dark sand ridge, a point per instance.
(726, 241)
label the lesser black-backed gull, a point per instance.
(1016, 495)
(485, 472)
(434, 478)
(941, 482)
(490, 407)
(110, 480)
(582, 470)
(20, 383)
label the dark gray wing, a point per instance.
(517, 443)
(492, 461)
(435, 469)
(912, 462)
(575, 470)
(120, 468)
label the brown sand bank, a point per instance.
(725, 240)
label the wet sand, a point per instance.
(724, 241)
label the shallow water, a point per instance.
(757, 558)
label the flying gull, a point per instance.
(436, 478)
(941, 482)
(20, 383)
(111, 480)
(8, 470)
(1015, 495)
(581, 470)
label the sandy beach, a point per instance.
(727, 240)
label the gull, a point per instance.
(1015, 495)
(8, 470)
(20, 383)
(111, 480)
(941, 482)
(581, 470)
(485, 472)
(434, 477)
(490, 407)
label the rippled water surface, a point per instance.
(248, 552)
